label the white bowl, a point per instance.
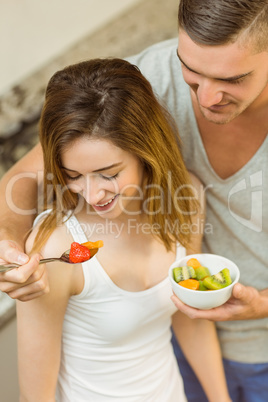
(205, 300)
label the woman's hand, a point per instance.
(26, 282)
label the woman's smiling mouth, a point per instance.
(106, 205)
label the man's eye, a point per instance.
(237, 81)
(109, 177)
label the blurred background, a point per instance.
(37, 38)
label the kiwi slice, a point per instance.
(202, 286)
(201, 273)
(183, 273)
(219, 280)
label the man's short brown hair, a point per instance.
(218, 22)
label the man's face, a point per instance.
(226, 80)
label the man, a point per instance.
(214, 82)
(223, 122)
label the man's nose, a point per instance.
(209, 93)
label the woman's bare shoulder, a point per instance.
(59, 240)
(198, 215)
(198, 188)
(195, 180)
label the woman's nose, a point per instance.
(209, 93)
(92, 192)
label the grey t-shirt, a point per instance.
(237, 210)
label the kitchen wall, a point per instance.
(32, 32)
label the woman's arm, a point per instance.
(18, 200)
(39, 326)
(199, 342)
(198, 338)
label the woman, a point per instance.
(112, 172)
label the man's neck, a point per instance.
(230, 146)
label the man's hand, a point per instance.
(26, 282)
(10, 251)
(246, 303)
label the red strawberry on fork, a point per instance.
(79, 253)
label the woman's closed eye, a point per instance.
(73, 178)
(109, 177)
(77, 177)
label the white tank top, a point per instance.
(115, 343)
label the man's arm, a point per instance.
(18, 200)
(246, 303)
(18, 197)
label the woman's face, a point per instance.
(108, 178)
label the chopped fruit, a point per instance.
(93, 244)
(193, 262)
(188, 275)
(201, 273)
(79, 253)
(190, 284)
(219, 280)
(182, 273)
(202, 286)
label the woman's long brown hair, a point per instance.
(110, 99)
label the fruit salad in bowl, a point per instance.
(203, 281)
